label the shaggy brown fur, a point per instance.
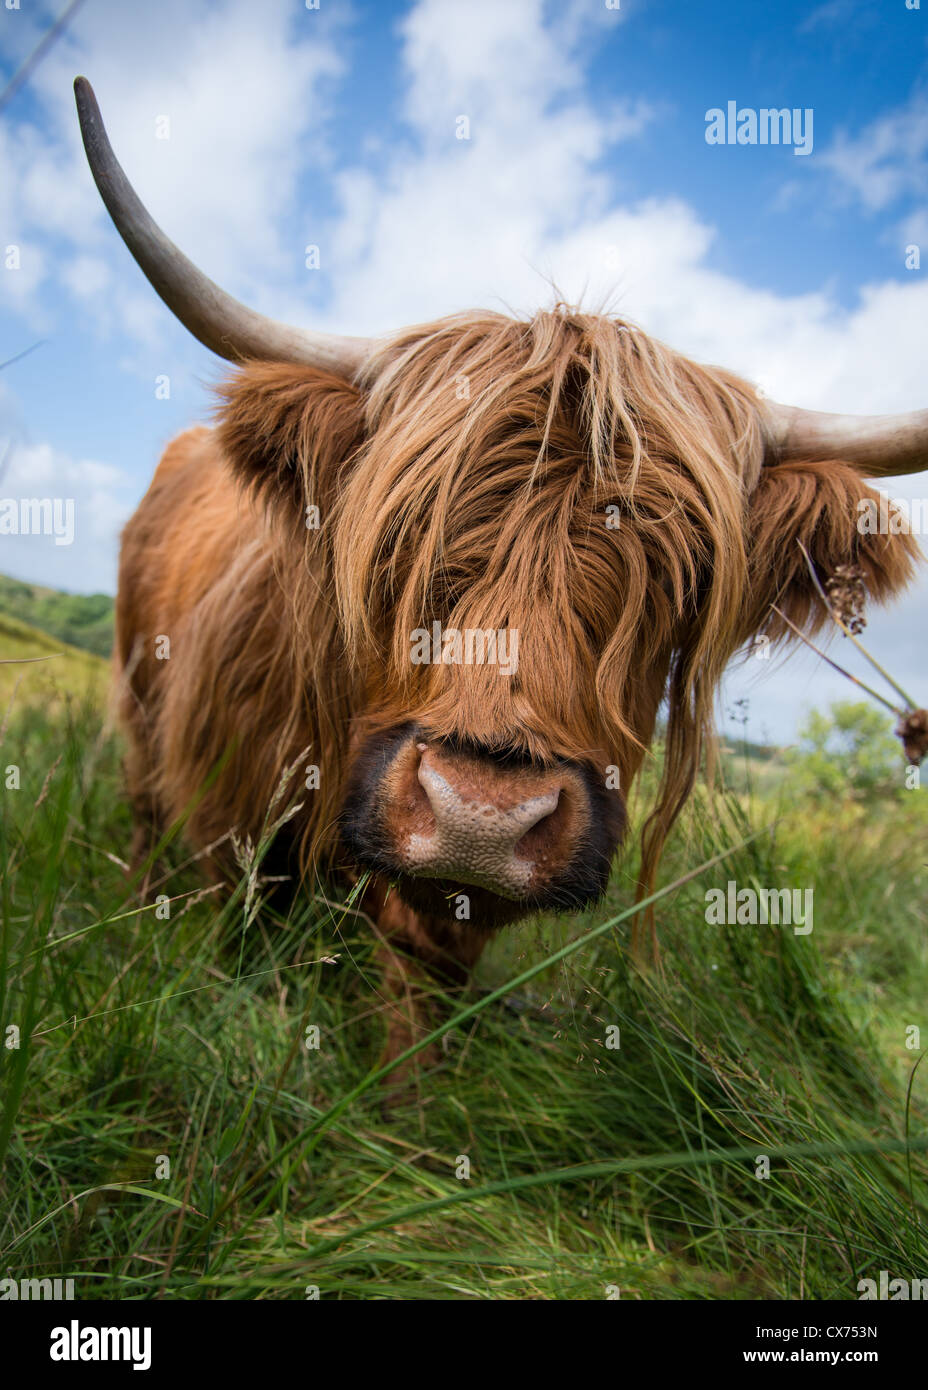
(467, 478)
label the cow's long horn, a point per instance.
(220, 322)
(879, 446)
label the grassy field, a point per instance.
(166, 1131)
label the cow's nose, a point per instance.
(495, 827)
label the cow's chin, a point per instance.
(481, 909)
(466, 904)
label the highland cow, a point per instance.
(630, 517)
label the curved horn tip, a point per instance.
(85, 97)
(220, 322)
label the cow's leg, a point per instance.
(416, 952)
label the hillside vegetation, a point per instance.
(80, 620)
(42, 669)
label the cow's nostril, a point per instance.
(546, 832)
(410, 797)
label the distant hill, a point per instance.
(731, 746)
(81, 620)
(43, 669)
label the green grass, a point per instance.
(589, 1166)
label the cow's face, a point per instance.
(533, 533)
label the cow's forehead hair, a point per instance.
(494, 448)
(481, 373)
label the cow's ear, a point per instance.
(827, 510)
(289, 431)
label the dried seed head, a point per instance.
(848, 596)
(913, 730)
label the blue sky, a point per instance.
(587, 164)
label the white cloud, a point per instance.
(887, 159)
(242, 89)
(87, 276)
(884, 166)
(828, 15)
(102, 498)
